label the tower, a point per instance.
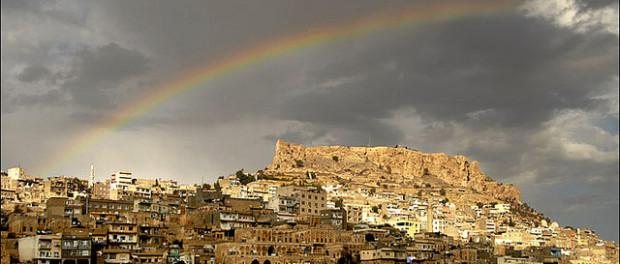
(91, 181)
(429, 217)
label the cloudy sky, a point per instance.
(530, 92)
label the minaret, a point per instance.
(91, 186)
(429, 217)
(91, 182)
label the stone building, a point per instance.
(228, 219)
(41, 249)
(334, 217)
(22, 225)
(285, 244)
(122, 235)
(310, 199)
(101, 190)
(55, 207)
(75, 248)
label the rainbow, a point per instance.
(427, 13)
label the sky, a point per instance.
(531, 92)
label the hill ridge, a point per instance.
(391, 163)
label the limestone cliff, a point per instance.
(378, 161)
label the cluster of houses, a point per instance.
(247, 218)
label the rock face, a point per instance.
(391, 161)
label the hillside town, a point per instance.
(302, 208)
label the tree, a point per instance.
(372, 191)
(339, 203)
(247, 179)
(511, 223)
(375, 209)
(346, 257)
(243, 178)
(442, 192)
(206, 186)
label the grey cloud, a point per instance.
(597, 4)
(20, 5)
(299, 132)
(53, 97)
(464, 67)
(93, 79)
(98, 72)
(109, 63)
(33, 73)
(579, 16)
(197, 33)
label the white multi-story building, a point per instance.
(501, 208)
(263, 189)
(16, 173)
(393, 209)
(439, 225)
(121, 180)
(490, 226)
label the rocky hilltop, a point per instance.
(389, 162)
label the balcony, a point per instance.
(123, 241)
(45, 246)
(118, 231)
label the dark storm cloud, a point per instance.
(301, 133)
(15, 5)
(33, 73)
(198, 31)
(530, 94)
(96, 71)
(597, 4)
(518, 69)
(91, 82)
